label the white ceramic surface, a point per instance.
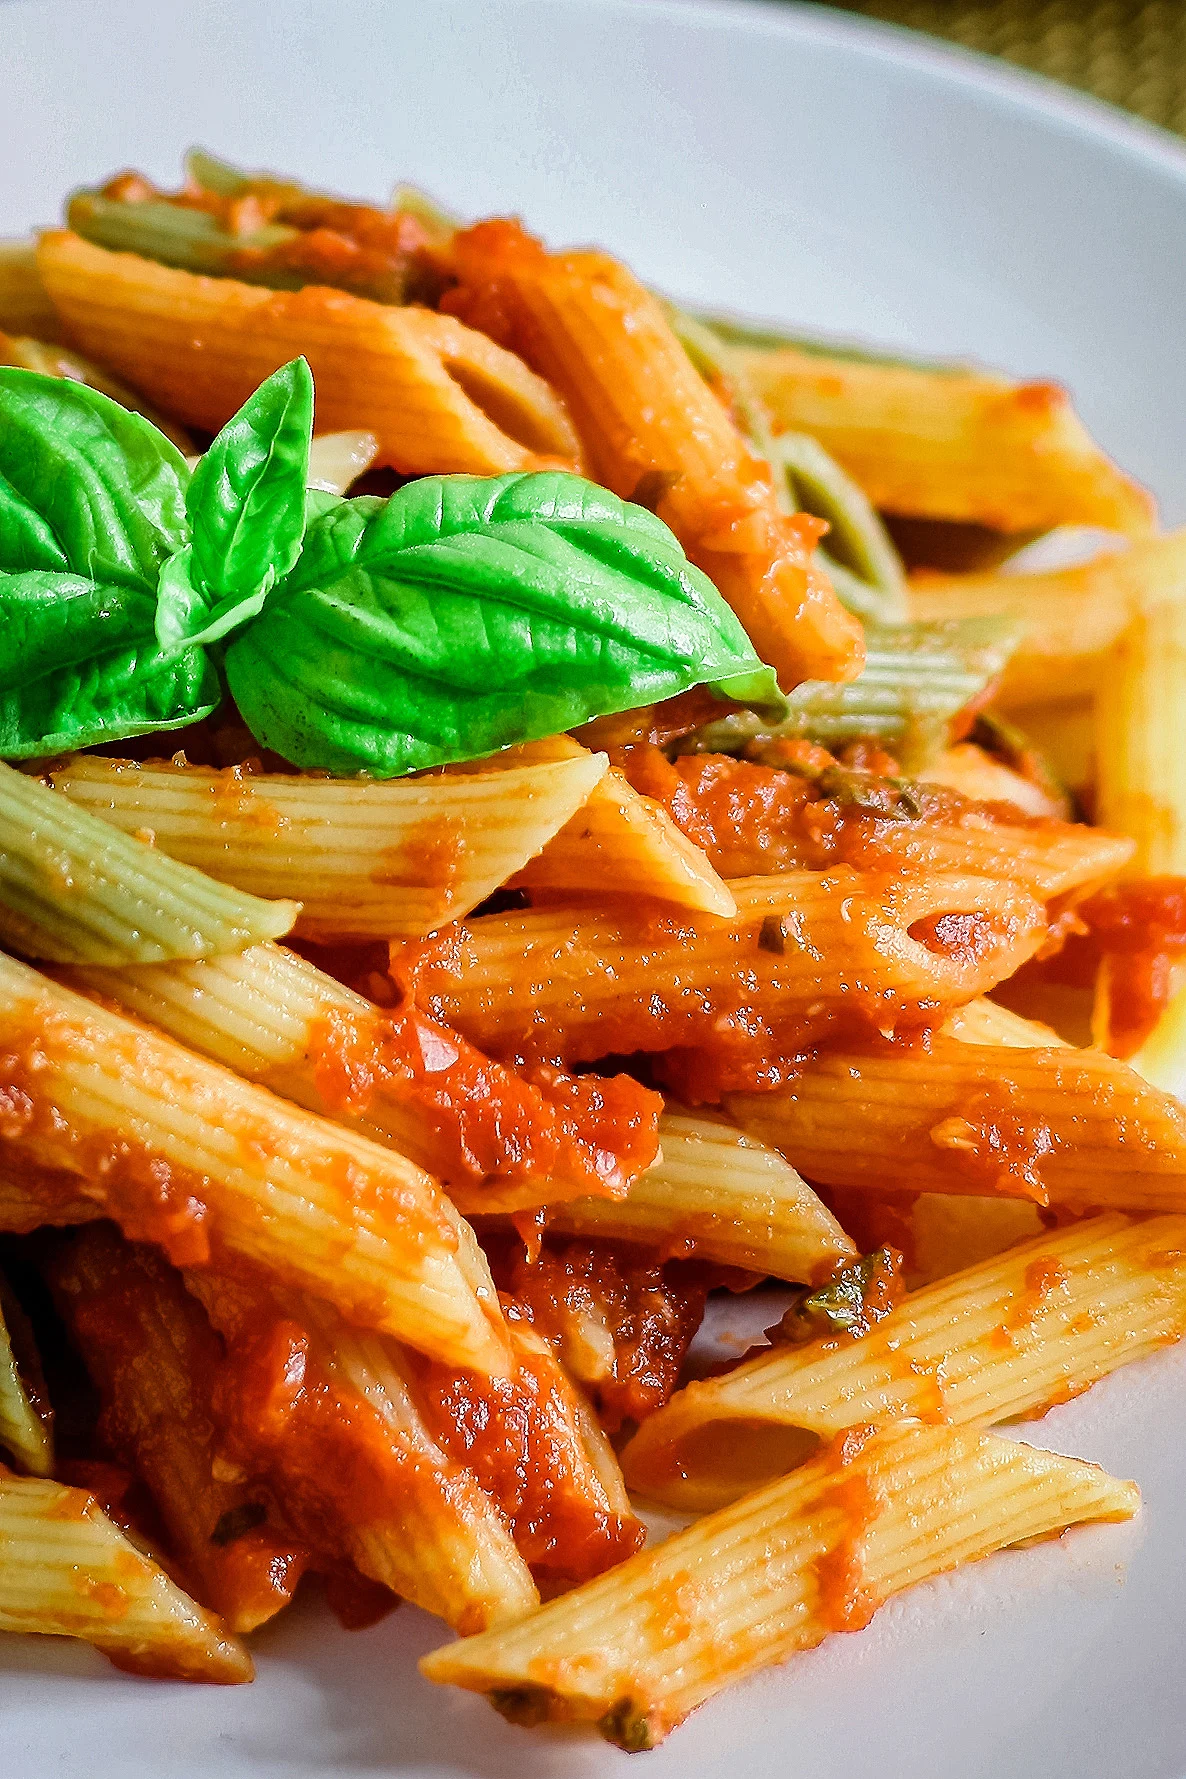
(796, 165)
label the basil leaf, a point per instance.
(467, 613)
(79, 664)
(246, 501)
(86, 487)
(184, 616)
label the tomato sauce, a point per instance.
(620, 1319)
(1135, 933)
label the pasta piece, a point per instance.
(654, 431)
(911, 695)
(977, 775)
(805, 951)
(62, 361)
(951, 442)
(717, 1195)
(31, 1197)
(183, 1153)
(1161, 1058)
(1031, 1327)
(620, 844)
(26, 1418)
(496, 1140)
(327, 1416)
(25, 307)
(818, 1551)
(337, 459)
(1072, 616)
(1140, 768)
(1056, 1125)
(69, 1572)
(949, 1232)
(154, 1360)
(750, 817)
(371, 860)
(74, 890)
(438, 396)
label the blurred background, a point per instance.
(1131, 52)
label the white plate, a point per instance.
(792, 164)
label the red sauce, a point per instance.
(521, 1438)
(645, 1312)
(845, 1601)
(1136, 932)
(481, 1124)
(752, 819)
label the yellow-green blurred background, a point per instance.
(1132, 52)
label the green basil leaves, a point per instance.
(457, 617)
(466, 613)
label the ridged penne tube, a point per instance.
(496, 1140)
(654, 429)
(1161, 1059)
(438, 396)
(1140, 761)
(1034, 1326)
(1070, 1127)
(25, 307)
(69, 1572)
(804, 950)
(26, 1422)
(634, 1651)
(1072, 617)
(982, 778)
(62, 361)
(950, 442)
(718, 1195)
(74, 890)
(154, 1360)
(620, 843)
(350, 1462)
(183, 1153)
(337, 459)
(374, 860)
(751, 817)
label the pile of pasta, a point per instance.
(369, 1151)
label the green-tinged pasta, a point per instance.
(755, 338)
(74, 890)
(860, 558)
(25, 1425)
(69, 1572)
(917, 678)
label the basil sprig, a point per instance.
(459, 616)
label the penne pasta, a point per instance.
(633, 1652)
(349, 1458)
(951, 441)
(717, 1195)
(620, 843)
(497, 1141)
(1002, 1340)
(750, 817)
(372, 860)
(26, 1417)
(25, 307)
(805, 951)
(1072, 617)
(979, 776)
(1140, 771)
(183, 1153)
(655, 431)
(73, 890)
(437, 395)
(69, 1572)
(62, 361)
(155, 1360)
(1073, 1128)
